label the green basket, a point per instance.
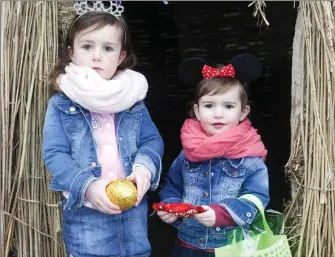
(263, 244)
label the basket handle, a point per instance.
(255, 200)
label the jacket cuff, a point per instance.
(172, 200)
(178, 223)
(79, 187)
(242, 212)
(145, 160)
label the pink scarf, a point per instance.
(241, 141)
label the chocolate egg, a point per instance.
(122, 193)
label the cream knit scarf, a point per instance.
(84, 86)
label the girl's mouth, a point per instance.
(218, 125)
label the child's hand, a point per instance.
(206, 218)
(141, 177)
(167, 217)
(96, 195)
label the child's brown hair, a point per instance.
(94, 20)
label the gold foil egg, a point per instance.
(122, 193)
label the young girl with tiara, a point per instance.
(97, 130)
(222, 158)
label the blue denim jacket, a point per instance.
(69, 150)
(216, 181)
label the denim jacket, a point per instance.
(69, 151)
(216, 181)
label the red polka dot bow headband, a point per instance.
(244, 67)
(226, 72)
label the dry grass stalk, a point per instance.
(259, 11)
(310, 215)
(31, 223)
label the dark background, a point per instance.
(164, 35)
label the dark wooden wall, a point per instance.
(163, 35)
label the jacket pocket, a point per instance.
(73, 120)
(191, 172)
(231, 182)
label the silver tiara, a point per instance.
(114, 8)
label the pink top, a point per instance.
(107, 149)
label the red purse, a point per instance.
(179, 209)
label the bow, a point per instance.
(226, 72)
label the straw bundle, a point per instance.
(30, 212)
(311, 213)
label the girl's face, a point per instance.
(218, 113)
(99, 49)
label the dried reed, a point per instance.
(29, 48)
(311, 213)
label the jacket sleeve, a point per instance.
(57, 158)
(151, 149)
(243, 211)
(172, 188)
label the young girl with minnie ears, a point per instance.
(97, 129)
(222, 158)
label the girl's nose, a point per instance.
(218, 113)
(97, 55)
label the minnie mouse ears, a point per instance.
(189, 71)
(244, 67)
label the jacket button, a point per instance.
(72, 109)
(205, 194)
(248, 214)
(206, 174)
(94, 124)
(233, 172)
(217, 229)
(201, 240)
(93, 164)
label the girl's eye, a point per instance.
(208, 105)
(229, 106)
(108, 49)
(87, 47)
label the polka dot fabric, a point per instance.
(225, 72)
